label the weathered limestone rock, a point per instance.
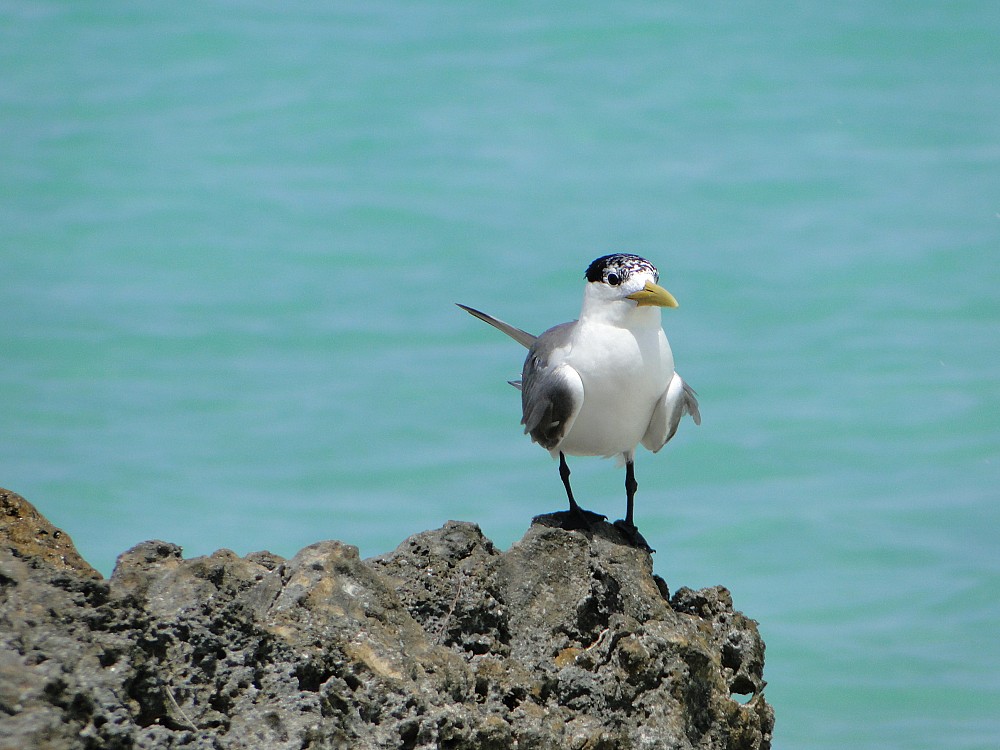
(567, 640)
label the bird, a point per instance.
(604, 383)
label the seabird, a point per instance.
(602, 384)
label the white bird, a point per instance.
(602, 384)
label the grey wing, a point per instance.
(524, 338)
(679, 399)
(551, 390)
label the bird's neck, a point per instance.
(622, 314)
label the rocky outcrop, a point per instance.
(566, 640)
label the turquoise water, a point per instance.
(231, 237)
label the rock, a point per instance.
(567, 640)
(29, 535)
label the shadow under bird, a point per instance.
(602, 384)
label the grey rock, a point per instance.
(567, 640)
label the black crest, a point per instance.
(621, 265)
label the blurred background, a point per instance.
(231, 237)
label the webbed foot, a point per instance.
(575, 519)
(631, 533)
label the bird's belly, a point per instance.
(621, 390)
(594, 433)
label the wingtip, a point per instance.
(522, 337)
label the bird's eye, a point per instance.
(614, 279)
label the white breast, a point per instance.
(624, 373)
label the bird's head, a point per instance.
(620, 283)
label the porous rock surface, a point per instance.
(567, 640)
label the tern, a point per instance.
(604, 383)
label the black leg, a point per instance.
(627, 526)
(576, 517)
(564, 475)
(630, 487)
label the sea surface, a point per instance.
(232, 234)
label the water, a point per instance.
(231, 237)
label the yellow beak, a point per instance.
(653, 294)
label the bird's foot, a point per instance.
(575, 519)
(585, 520)
(632, 535)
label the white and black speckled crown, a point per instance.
(621, 265)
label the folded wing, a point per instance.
(551, 394)
(679, 399)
